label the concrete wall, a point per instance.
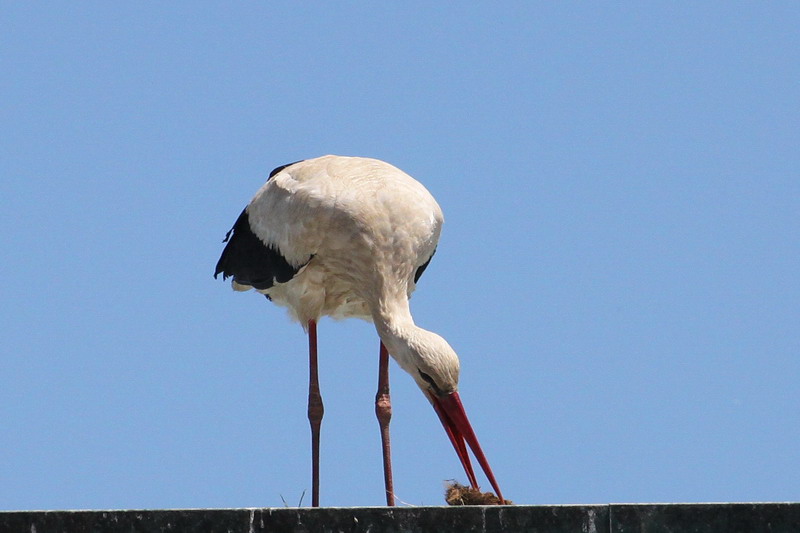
(621, 518)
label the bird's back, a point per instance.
(322, 233)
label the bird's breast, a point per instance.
(323, 288)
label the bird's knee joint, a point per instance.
(383, 408)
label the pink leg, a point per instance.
(315, 410)
(383, 410)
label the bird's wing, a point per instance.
(253, 255)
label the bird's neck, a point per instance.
(392, 317)
(396, 328)
(415, 349)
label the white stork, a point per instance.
(350, 237)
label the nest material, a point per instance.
(457, 494)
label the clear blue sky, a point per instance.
(619, 269)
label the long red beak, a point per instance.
(456, 424)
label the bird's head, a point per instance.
(434, 366)
(432, 363)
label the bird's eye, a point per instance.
(429, 381)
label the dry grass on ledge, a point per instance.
(457, 494)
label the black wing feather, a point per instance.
(422, 267)
(251, 262)
(278, 169)
(248, 260)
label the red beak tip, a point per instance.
(454, 419)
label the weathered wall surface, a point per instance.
(616, 518)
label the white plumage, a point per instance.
(349, 237)
(360, 226)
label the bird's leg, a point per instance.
(315, 410)
(383, 410)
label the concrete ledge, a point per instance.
(616, 518)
